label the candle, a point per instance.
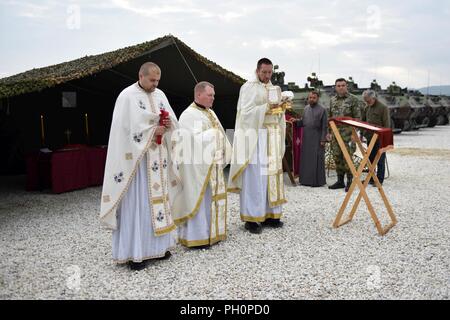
(86, 126)
(68, 133)
(42, 130)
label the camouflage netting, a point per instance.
(41, 78)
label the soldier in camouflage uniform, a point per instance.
(343, 104)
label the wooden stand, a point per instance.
(289, 147)
(289, 171)
(357, 181)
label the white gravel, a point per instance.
(52, 246)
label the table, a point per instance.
(71, 168)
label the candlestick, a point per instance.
(68, 133)
(86, 126)
(42, 131)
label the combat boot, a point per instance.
(349, 181)
(339, 183)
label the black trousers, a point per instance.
(381, 166)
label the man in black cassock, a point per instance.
(315, 129)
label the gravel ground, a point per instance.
(52, 246)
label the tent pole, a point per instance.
(121, 74)
(187, 65)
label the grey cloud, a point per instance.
(351, 37)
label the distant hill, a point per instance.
(445, 90)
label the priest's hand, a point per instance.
(159, 131)
(167, 123)
(328, 137)
(322, 143)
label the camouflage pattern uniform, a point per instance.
(345, 106)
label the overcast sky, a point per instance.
(400, 41)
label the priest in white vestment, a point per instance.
(140, 182)
(258, 147)
(200, 209)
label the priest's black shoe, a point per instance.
(253, 227)
(206, 247)
(272, 223)
(137, 266)
(166, 256)
(339, 183)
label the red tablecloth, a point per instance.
(67, 169)
(297, 138)
(385, 135)
(96, 160)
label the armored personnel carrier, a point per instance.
(442, 118)
(301, 93)
(436, 109)
(422, 113)
(403, 113)
(444, 101)
(399, 115)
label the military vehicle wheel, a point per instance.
(406, 125)
(392, 124)
(426, 121)
(441, 120)
(432, 123)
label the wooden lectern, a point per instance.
(386, 138)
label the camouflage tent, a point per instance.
(64, 93)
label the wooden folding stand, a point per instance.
(386, 143)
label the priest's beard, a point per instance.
(262, 80)
(146, 90)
